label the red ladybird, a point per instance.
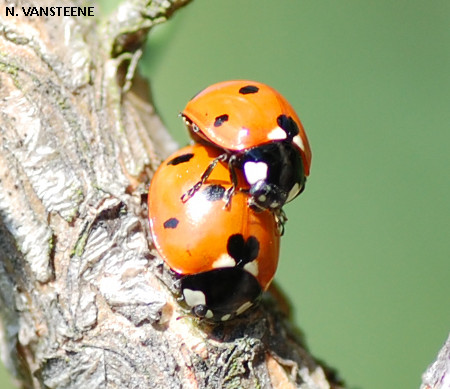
(225, 256)
(259, 133)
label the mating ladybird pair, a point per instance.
(215, 207)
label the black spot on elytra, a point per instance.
(214, 192)
(288, 124)
(171, 223)
(220, 120)
(245, 90)
(242, 251)
(180, 159)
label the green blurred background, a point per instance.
(366, 254)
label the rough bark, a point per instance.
(82, 292)
(437, 375)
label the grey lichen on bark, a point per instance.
(82, 292)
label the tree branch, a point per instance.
(84, 301)
(437, 375)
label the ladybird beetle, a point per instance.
(224, 257)
(259, 133)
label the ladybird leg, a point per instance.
(234, 181)
(186, 196)
(281, 220)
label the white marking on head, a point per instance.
(224, 261)
(225, 317)
(255, 171)
(277, 134)
(252, 267)
(194, 297)
(299, 142)
(244, 307)
(262, 198)
(275, 204)
(293, 192)
(209, 314)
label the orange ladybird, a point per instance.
(259, 133)
(225, 256)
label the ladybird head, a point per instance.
(266, 196)
(220, 294)
(274, 172)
